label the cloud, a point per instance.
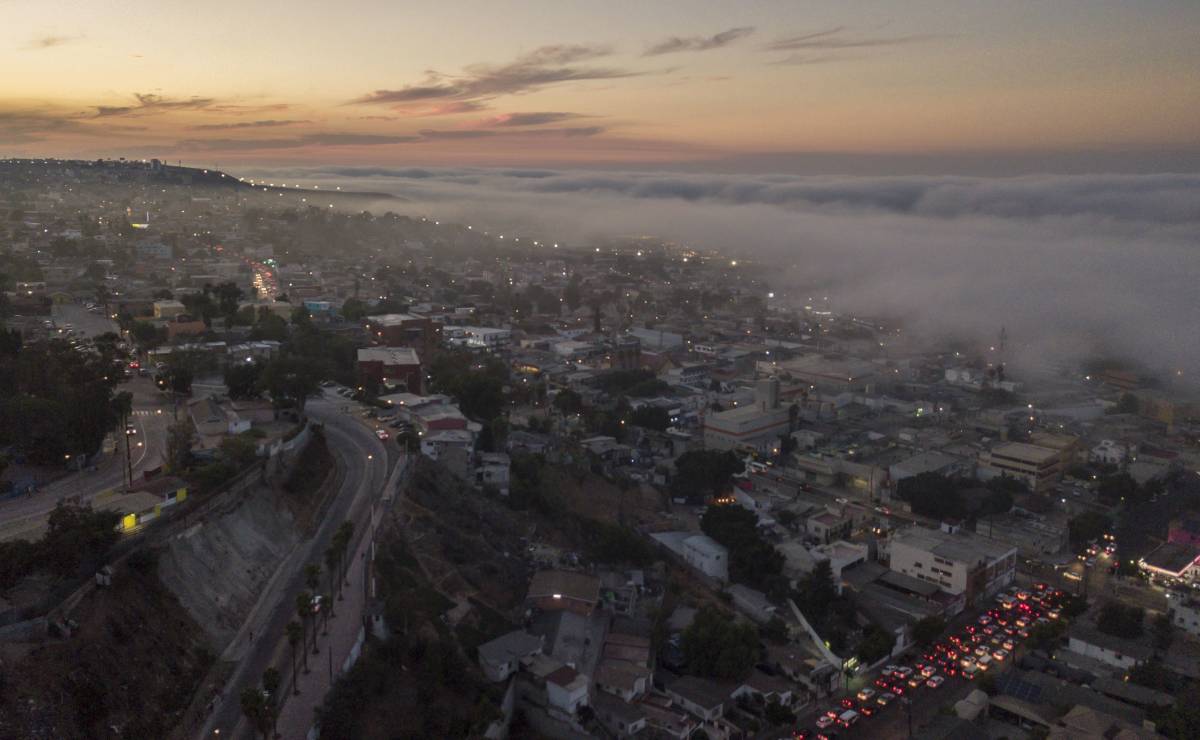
(268, 123)
(315, 139)
(529, 119)
(49, 42)
(797, 60)
(1072, 265)
(698, 43)
(544, 66)
(838, 37)
(148, 104)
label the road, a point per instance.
(26, 517)
(261, 643)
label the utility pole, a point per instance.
(128, 456)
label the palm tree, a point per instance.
(254, 706)
(295, 633)
(270, 681)
(325, 615)
(123, 406)
(304, 611)
(345, 533)
(333, 555)
(312, 579)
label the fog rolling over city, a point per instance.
(1073, 266)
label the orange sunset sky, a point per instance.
(581, 83)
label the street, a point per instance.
(261, 643)
(25, 517)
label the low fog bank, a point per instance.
(1070, 265)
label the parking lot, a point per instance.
(904, 696)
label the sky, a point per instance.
(851, 87)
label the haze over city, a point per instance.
(679, 369)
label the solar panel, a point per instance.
(1018, 688)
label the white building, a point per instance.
(501, 657)
(1185, 613)
(958, 562)
(435, 443)
(1109, 452)
(756, 426)
(707, 556)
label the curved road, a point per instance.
(363, 461)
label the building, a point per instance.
(391, 366)
(502, 657)
(168, 309)
(1172, 561)
(1185, 613)
(435, 444)
(489, 338)
(958, 562)
(699, 696)
(1113, 651)
(707, 556)
(405, 330)
(757, 426)
(561, 590)
(566, 692)
(1040, 468)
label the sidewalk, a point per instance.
(297, 715)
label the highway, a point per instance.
(261, 643)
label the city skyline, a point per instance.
(913, 87)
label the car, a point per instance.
(935, 682)
(1008, 645)
(1053, 614)
(316, 603)
(967, 661)
(825, 722)
(902, 672)
(847, 703)
(889, 669)
(868, 710)
(1000, 655)
(805, 734)
(866, 694)
(882, 683)
(848, 718)
(985, 620)
(885, 699)
(989, 630)
(898, 688)
(916, 681)
(382, 434)
(984, 662)
(928, 670)
(980, 651)
(1023, 595)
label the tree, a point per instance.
(777, 714)
(752, 560)
(651, 417)
(702, 474)
(270, 682)
(875, 644)
(241, 379)
(240, 451)
(1045, 637)
(716, 646)
(817, 594)
(933, 495)
(572, 294)
(254, 707)
(304, 613)
(290, 380)
(928, 630)
(1163, 631)
(1120, 620)
(295, 633)
(568, 402)
(1087, 527)
(1113, 489)
(180, 438)
(1126, 404)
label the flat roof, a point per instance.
(1023, 451)
(963, 547)
(1173, 557)
(389, 355)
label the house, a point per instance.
(620, 718)
(561, 590)
(435, 444)
(566, 692)
(707, 556)
(699, 696)
(622, 679)
(1114, 651)
(492, 470)
(501, 657)
(828, 527)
